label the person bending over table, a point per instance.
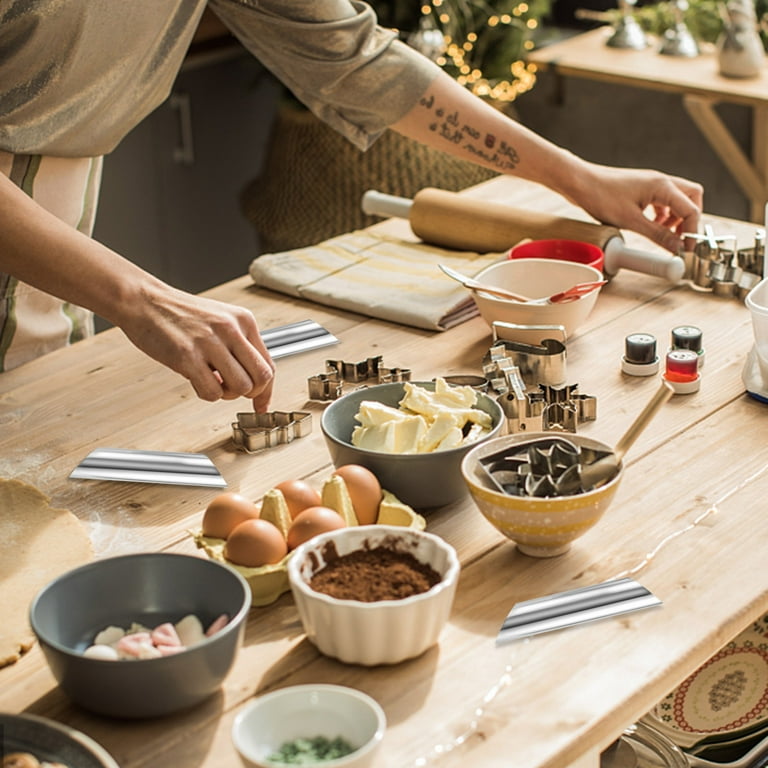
(76, 77)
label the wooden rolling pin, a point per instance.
(456, 221)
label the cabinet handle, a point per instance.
(184, 153)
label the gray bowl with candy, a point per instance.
(142, 635)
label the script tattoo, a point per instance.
(487, 148)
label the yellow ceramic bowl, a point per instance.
(541, 527)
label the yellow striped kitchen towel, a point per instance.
(377, 276)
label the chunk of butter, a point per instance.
(400, 435)
(425, 421)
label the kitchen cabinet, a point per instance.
(170, 197)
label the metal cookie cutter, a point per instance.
(542, 363)
(529, 334)
(711, 257)
(543, 467)
(253, 432)
(716, 264)
(550, 409)
(752, 263)
(529, 380)
(563, 408)
(329, 385)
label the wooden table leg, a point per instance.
(750, 175)
(760, 159)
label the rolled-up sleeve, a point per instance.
(353, 74)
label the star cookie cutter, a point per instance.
(253, 432)
(330, 385)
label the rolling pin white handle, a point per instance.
(379, 204)
(618, 256)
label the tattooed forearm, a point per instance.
(483, 147)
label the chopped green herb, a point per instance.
(310, 751)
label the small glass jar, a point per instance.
(641, 746)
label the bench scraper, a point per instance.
(131, 466)
(576, 606)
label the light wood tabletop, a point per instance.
(549, 701)
(696, 79)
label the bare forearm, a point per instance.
(449, 118)
(41, 250)
(216, 346)
(660, 206)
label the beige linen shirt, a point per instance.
(77, 75)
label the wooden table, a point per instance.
(550, 701)
(698, 82)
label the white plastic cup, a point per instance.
(757, 303)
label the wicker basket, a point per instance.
(313, 180)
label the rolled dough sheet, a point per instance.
(37, 543)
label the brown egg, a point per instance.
(298, 496)
(364, 490)
(225, 512)
(255, 543)
(312, 521)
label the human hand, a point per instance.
(216, 346)
(654, 204)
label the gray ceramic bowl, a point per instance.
(151, 589)
(51, 741)
(421, 480)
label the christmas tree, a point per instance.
(481, 44)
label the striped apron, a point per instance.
(33, 323)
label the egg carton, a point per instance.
(330, 384)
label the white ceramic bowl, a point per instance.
(382, 632)
(537, 278)
(307, 711)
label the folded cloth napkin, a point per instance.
(374, 275)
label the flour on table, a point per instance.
(37, 544)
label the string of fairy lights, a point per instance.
(460, 48)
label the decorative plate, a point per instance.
(51, 741)
(726, 695)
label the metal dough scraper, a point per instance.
(131, 466)
(576, 606)
(296, 337)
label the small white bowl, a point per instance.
(537, 278)
(381, 632)
(307, 711)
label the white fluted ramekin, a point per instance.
(382, 632)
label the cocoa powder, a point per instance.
(374, 574)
